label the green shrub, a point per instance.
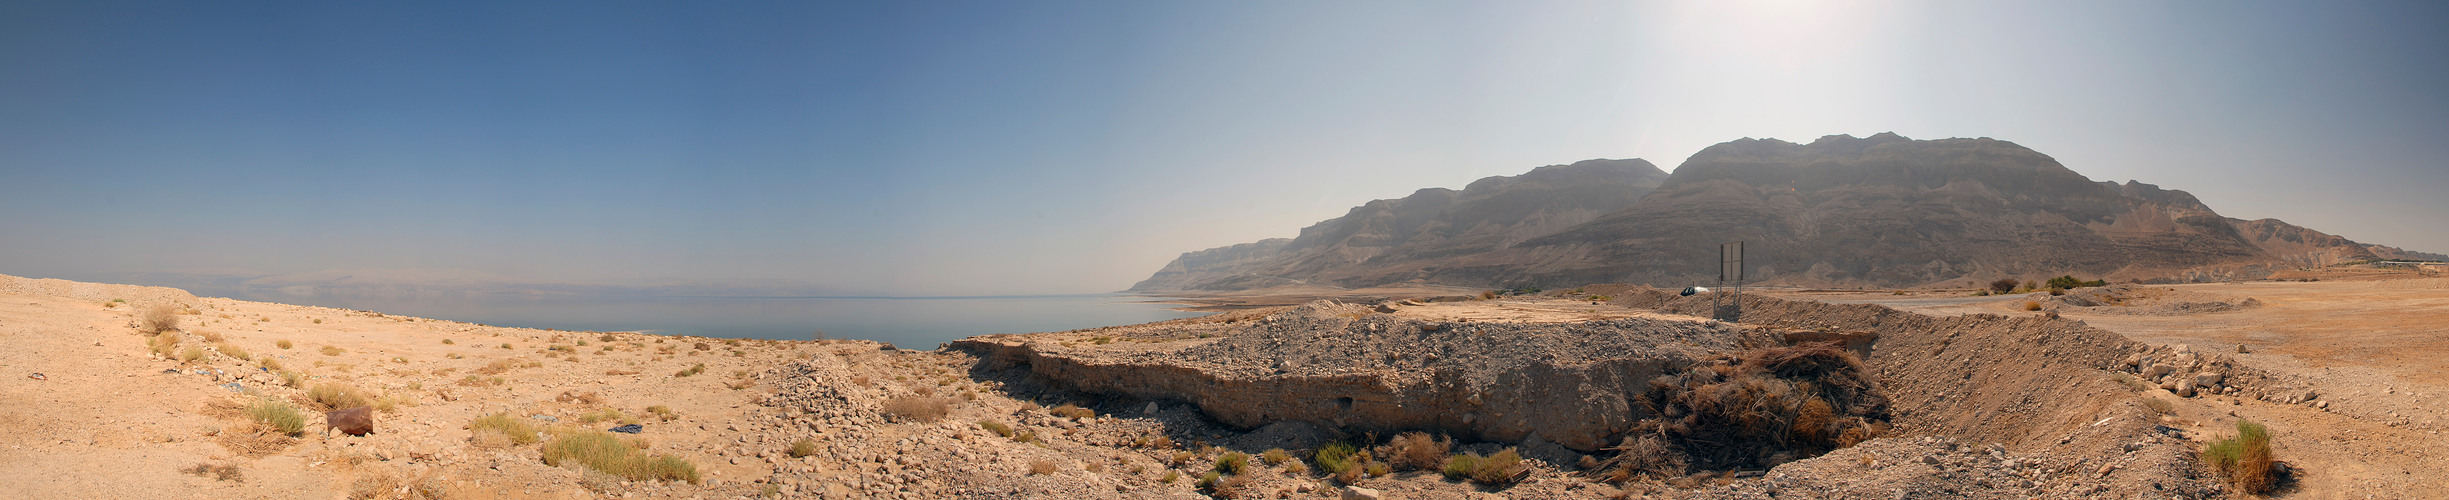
(1275, 456)
(1460, 466)
(1334, 458)
(278, 415)
(802, 448)
(1233, 462)
(2245, 458)
(603, 452)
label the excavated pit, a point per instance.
(1706, 395)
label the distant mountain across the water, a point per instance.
(1880, 211)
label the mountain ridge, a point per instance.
(1882, 210)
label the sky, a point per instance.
(968, 148)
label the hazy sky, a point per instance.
(929, 148)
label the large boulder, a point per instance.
(357, 421)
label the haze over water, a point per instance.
(913, 323)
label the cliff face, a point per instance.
(1882, 210)
(1387, 241)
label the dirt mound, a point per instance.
(2148, 300)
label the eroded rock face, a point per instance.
(1575, 384)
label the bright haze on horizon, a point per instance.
(962, 148)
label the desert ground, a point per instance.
(1991, 400)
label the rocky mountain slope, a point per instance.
(1381, 241)
(1882, 210)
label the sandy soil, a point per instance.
(108, 418)
(2375, 348)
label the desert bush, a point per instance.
(292, 379)
(1229, 487)
(333, 350)
(2003, 285)
(603, 452)
(1232, 462)
(1417, 451)
(1041, 467)
(191, 354)
(1503, 467)
(1072, 411)
(159, 318)
(283, 343)
(277, 415)
(513, 430)
(1645, 456)
(335, 396)
(802, 448)
(1170, 476)
(662, 412)
(1275, 456)
(996, 427)
(921, 409)
(2032, 306)
(1459, 467)
(2245, 458)
(1334, 458)
(692, 370)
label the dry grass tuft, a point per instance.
(603, 452)
(336, 396)
(277, 415)
(191, 354)
(500, 430)
(232, 350)
(332, 351)
(802, 448)
(254, 440)
(1041, 467)
(283, 343)
(1073, 412)
(921, 409)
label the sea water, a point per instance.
(908, 322)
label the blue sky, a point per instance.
(956, 148)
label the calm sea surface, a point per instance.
(915, 323)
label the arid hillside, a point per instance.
(1881, 211)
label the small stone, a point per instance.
(1359, 493)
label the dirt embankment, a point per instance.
(1342, 366)
(2043, 390)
